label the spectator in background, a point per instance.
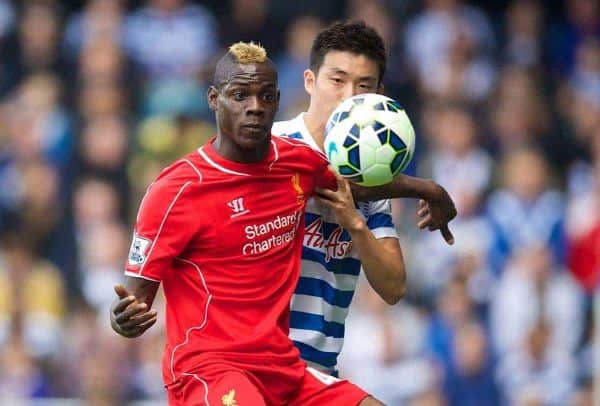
(281, 13)
(579, 105)
(381, 15)
(519, 115)
(537, 373)
(375, 14)
(100, 19)
(95, 202)
(21, 374)
(583, 228)
(159, 141)
(471, 380)
(448, 44)
(583, 188)
(103, 150)
(102, 61)
(532, 287)
(100, 98)
(523, 42)
(36, 44)
(7, 23)
(101, 257)
(98, 213)
(40, 126)
(582, 22)
(9, 174)
(453, 308)
(525, 211)
(586, 73)
(42, 217)
(147, 376)
(7, 17)
(392, 364)
(248, 21)
(172, 41)
(32, 299)
(456, 160)
(292, 63)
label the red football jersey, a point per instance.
(225, 239)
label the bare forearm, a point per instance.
(144, 290)
(383, 264)
(401, 187)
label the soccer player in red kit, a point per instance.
(221, 230)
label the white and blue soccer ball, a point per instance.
(369, 139)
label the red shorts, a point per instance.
(240, 388)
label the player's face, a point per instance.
(342, 75)
(245, 107)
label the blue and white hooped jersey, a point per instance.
(330, 270)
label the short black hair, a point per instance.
(349, 36)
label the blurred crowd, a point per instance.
(96, 97)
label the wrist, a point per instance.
(431, 190)
(356, 226)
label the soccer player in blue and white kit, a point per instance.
(348, 58)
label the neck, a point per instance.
(315, 126)
(233, 152)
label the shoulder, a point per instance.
(294, 146)
(181, 171)
(290, 129)
(175, 179)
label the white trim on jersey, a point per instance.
(384, 232)
(195, 376)
(276, 151)
(217, 166)
(195, 169)
(136, 275)
(318, 367)
(201, 326)
(164, 220)
(324, 378)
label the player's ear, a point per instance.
(309, 81)
(212, 96)
(380, 88)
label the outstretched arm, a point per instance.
(131, 314)
(436, 208)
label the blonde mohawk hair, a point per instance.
(248, 52)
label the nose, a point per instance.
(255, 106)
(348, 91)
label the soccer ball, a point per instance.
(369, 139)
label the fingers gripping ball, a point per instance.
(369, 139)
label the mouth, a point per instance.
(255, 127)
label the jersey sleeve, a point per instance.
(379, 219)
(164, 227)
(324, 176)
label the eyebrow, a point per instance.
(361, 79)
(242, 82)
